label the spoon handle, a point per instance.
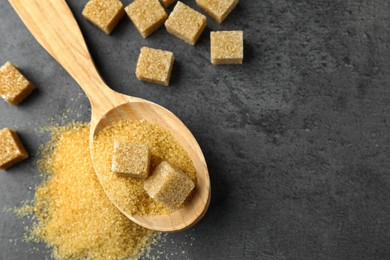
(53, 25)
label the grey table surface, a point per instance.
(297, 138)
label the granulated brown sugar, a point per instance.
(73, 215)
(129, 193)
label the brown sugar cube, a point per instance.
(131, 159)
(11, 149)
(217, 9)
(146, 15)
(227, 47)
(155, 66)
(186, 23)
(167, 3)
(105, 14)
(14, 87)
(169, 185)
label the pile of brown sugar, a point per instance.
(73, 214)
(129, 193)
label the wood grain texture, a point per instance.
(53, 25)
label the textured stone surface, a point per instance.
(297, 138)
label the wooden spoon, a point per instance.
(53, 25)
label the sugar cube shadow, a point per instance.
(31, 99)
(249, 53)
(176, 74)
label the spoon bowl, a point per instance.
(53, 25)
(196, 207)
